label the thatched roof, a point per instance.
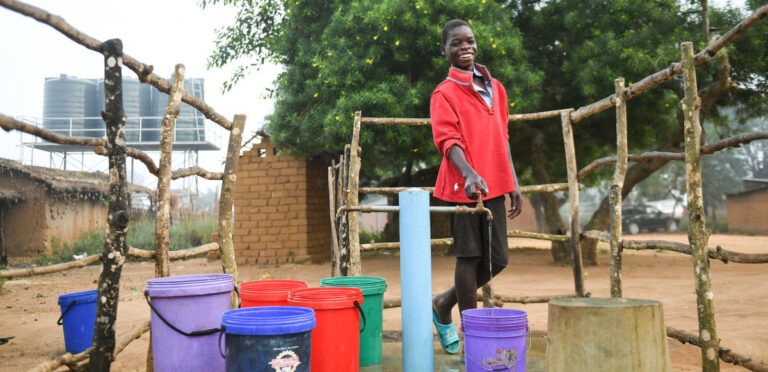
(61, 181)
(10, 196)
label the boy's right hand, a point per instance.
(474, 185)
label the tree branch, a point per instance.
(674, 69)
(726, 355)
(717, 253)
(733, 141)
(8, 124)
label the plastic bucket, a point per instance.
(186, 316)
(494, 339)
(336, 339)
(268, 338)
(373, 307)
(268, 292)
(78, 316)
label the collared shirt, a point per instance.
(460, 118)
(486, 93)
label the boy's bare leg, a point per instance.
(471, 273)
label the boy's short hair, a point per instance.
(450, 26)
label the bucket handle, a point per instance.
(510, 366)
(218, 344)
(239, 301)
(61, 318)
(188, 334)
(360, 309)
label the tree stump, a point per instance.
(606, 334)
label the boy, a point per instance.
(469, 117)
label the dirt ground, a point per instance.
(28, 306)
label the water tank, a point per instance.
(131, 107)
(67, 102)
(190, 124)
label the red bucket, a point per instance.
(336, 338)
(268, 292)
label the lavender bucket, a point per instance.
(494, 339)
(186, 319)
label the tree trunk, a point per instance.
(618, 183)
(573, 199)
(162, 226)
(164, 173)
(226, 201)
(697, 229)
(554, 224)
(115, 248)
(355, 268)
(343, 183)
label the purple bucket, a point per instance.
(186, 317)
(494, 339)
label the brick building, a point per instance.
(281, 208)
(748, 209)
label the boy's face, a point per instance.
(461, 48)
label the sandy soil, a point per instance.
(28, 308)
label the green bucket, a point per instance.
(373, 308)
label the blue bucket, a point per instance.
(495, 339)
(268, 338)
(78, 316)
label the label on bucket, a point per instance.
(503, 358)
(285, 361)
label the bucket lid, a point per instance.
(189, 285)
(78, 297)
(370, 285)
(268, 320)
(326, 297)
(270, 289)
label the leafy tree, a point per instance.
(382, 57)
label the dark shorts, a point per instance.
(470, 232)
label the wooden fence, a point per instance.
(100, 356)
(343, 181)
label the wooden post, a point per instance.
(162, 225)
(226, 200)
(573, 198)
(164, 173)
(617, 185)
(343, 191)
(115, 248)
(354, 183)
(332, 205)
(697, 229)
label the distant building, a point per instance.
(748, 209)
(38, 205)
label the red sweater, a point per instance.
(460, 117)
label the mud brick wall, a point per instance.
(748, 212)
(281, 208)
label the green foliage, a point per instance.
(187, 233)
(380, 57)
(367, 236)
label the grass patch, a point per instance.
(187, 233)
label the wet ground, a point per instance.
(393, 361)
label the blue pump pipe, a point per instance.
(416, 281)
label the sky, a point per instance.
(159, 33)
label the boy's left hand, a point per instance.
(516, 204)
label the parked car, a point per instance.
(646, 217)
